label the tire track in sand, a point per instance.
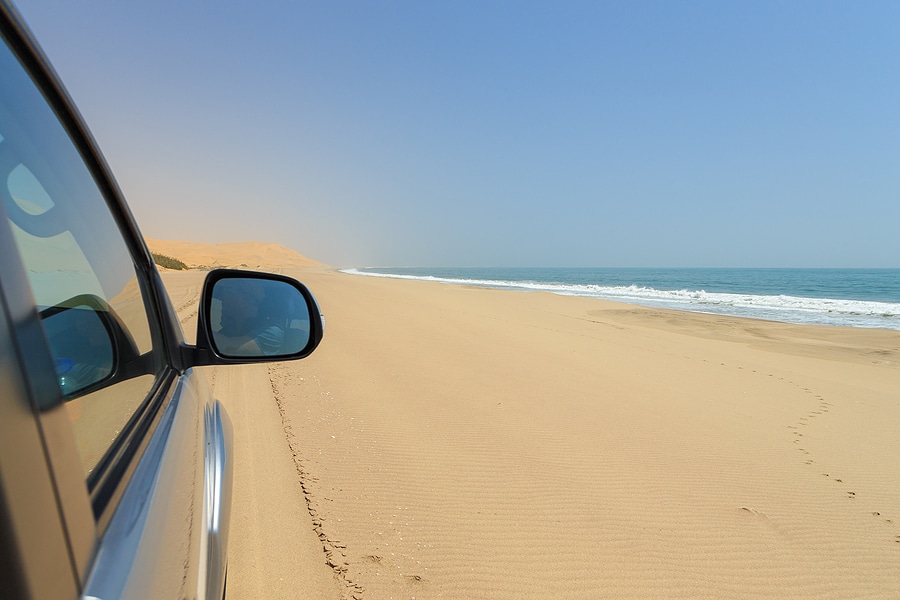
(334, 550)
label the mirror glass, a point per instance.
(258, 317)
(82, 347)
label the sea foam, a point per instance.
(784, 308)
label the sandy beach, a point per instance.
(456, 442)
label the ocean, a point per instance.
(843, 297)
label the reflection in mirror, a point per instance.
(258, 317)
(81, 344)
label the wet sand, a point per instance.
(454, 442)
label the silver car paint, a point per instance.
(167, 538)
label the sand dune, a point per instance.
(236, 254)
(452, 442)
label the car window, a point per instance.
(81, 272)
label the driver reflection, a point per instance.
(251, 320)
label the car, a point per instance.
(115, 459)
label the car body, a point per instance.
(115, 459)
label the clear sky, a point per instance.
(762, 134)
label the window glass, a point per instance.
(80, 270)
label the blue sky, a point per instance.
(759, 134)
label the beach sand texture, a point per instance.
(455, 442)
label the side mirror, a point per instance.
(247, 316)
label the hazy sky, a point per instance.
(499, 133)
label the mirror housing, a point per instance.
(248, 317)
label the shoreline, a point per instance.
(837, 309)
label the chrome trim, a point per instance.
(219, 476)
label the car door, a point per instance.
(114, 466)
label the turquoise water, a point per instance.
(847, 297)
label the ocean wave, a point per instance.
(789, 309)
